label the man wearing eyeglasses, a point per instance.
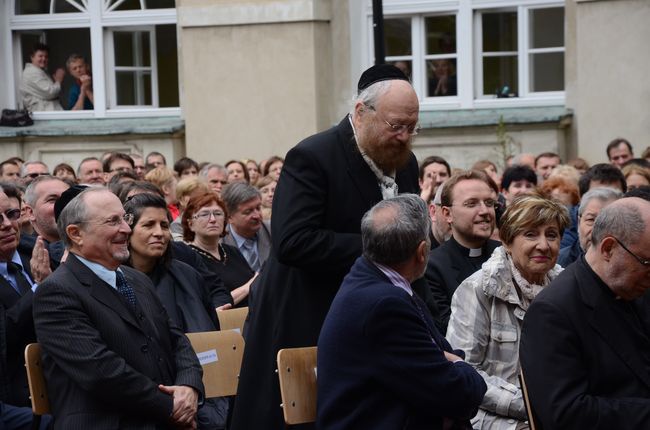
(109, 347)
(16, 295)
(31, 170)
(468, 203)
(585, 342)
(328, 182)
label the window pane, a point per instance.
(126, 91)
(24, 7)
(132, 49)
(398, 36)
(500, 75)
(441, 78)
(167, 61)
(149, 4)
(441, 34)
(547, 72)
(547, 27)
(499, 31)
(123, 43)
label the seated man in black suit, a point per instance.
(468, 200)
(381, 361)
(112, 358)
(585, 341)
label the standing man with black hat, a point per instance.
(328, 182)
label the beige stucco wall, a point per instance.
(257, 75)
(463, 146)
(607, 83)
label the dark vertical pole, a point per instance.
(378, 30)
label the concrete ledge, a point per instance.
(97, 127)
(487, 117)
(249, 13)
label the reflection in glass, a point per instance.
(547, 27)
(404, 66)
(441, 77)
(500, 76)
(547, 72)
(132, 48)
(499, 31)
(398, 36)
(441, 34)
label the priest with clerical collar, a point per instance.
(468, 201)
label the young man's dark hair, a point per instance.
(547, 155)
(185, 163)
(106, 166)
(602, 173)
(518, 172)
(430, 160)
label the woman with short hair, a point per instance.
(488, 308)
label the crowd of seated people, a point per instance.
(200, 235)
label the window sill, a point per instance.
(490, 117)
(97, 127)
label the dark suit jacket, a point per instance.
(449, 265)
(263, 241)
(586, 364)
(378, 367)
(19, 326)
(103, 361)
(324, 189)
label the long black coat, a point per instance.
(324, 190)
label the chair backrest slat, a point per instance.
(36, 380)
(220, 354)
(297, 373)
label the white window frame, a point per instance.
(99, 22)
(112, 69)
(468, 53)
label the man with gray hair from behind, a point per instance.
(379, 349)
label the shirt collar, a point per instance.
(395, 278)
(239, 240)
(102, 272)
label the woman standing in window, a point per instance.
(39, 91)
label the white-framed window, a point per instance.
(476, 53)
(129, 45)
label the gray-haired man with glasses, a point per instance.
(584, 345)
(328, 181)
(109, 347)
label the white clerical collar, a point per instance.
(475, 252)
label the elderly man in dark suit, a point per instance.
(381, 361)
(112, 358)
(585, 344)
(328, 182)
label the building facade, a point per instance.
(223, 79)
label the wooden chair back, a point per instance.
(532, 420)
(220, 354)
(232, 319)
(36, 380)
(297, 373)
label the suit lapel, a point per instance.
(100, 290)
(611, 325)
